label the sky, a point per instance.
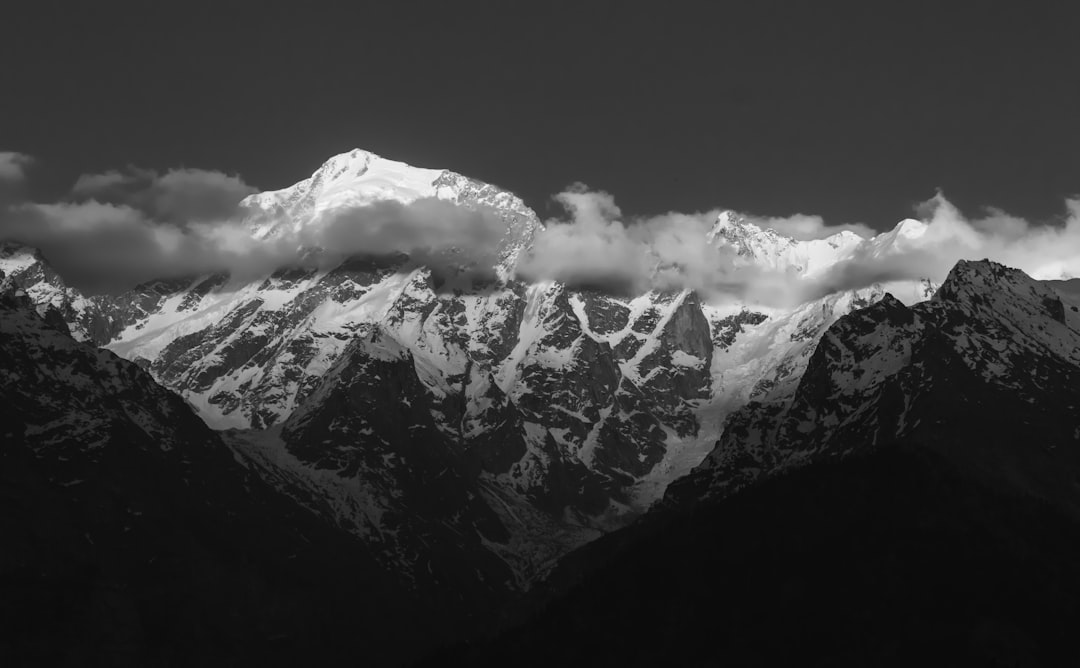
(850, 111)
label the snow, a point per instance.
(684, 359)
(355, 178)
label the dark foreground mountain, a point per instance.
(893, 559)
(131, 536)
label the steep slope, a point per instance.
(132, 536)
(916, 494)
(987, 373)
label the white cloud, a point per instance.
(1044, 251)
(141, 225)
(597, 248)
(102, 246)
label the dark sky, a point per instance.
(850, 110)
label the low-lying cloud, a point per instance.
(446, 237)
(597, 249)
(122, 228)
(99, 247)
(1044, 251)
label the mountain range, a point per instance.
(474, 447)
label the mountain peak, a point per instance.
(356, 160)
(983, 274)
(744, 235)
(724, 221)
(910, 228)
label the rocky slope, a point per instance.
(915, 494)
(987, 372)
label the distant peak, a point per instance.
(844, 235)
(909, 227)
(732, 225)
(726, 219)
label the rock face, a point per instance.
(987, 373)
(542, 415)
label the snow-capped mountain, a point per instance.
(544, 413)
(987, 372)
(768, 249)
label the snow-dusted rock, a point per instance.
(987, 372)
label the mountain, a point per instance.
(881, 560)
(987, 371)
(452, 450)
(917, 494)
(134, 537)
(547, 415)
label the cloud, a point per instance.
(593, 250)
(597, 249)
(450, 239)
(107, 247)
(130, 226)
(1044, 251)
(178, 195)
(100, 247)
(805, 228)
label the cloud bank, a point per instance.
(448, 238)
(1044, 251)
(597, 249)
(122, 228)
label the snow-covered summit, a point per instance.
(360, 178)
(354, 178)
(769, 249)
